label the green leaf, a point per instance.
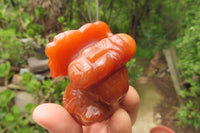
(5, 55)
(61, 19)
(30, 107)
(25, 129)
(2, 115)
(5, 97)
(16, 110)
(5, 69)
(9, 117)
(47, 83)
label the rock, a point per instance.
(2, 61)
(46, 74)
(16, 79)
(36, 65)
(143, 79)
(151, 71)
(15, 87)
(163, 68)
(23, 70)
(1, 81)
(157, 67)
(2, 88)
(156, 60)
(30, 42)
(22, 98)
(39, 77)
(15, 68)
(57, 79)
(158, 118)
(161, 74)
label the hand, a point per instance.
(56, 119)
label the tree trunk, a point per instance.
(97, 10)
(138, 16)
(111, 9)
(135, 19)
(81, 15)
(89, 11)
(131, 18)
(70, 9)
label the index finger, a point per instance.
(130, 103)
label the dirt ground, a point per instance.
(159, 102)
(159, 105)
(168, 106)
(149, 98)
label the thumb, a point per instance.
(56, 119)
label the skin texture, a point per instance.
(56, 119)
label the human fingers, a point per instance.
(99, 127)
(120, 122)
(131, 103)
(55, 119)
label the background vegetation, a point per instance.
(154, 24)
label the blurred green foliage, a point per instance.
(188, 48)
(10, 48)
(5, 69)
(5, 72)
(154, 24)
(134, 70)
(16, 24)
(12, 119)
(44, 90)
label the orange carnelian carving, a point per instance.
(94, 59)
